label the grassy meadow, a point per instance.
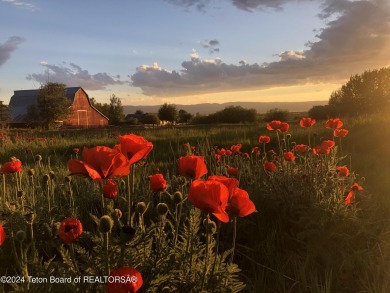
(303, 237)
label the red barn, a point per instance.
(83, 114)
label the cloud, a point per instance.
(8, 47)
(212, 45)
(22, 4)
(73, 75)
(355, 38)
(187, 4)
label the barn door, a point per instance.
(82, 118)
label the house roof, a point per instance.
(23, 99)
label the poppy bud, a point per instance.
(52, 175)
(68, 178)
(162, 209)
(288, 136)
(31, 172)
(46, 177)
(38, 158)
(20, 236)
(20, 193)
(105, 224)
(118, 213)
(122, 183)
(177, 197)
(141, 207)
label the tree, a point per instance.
(150, 119)
(102, 108)
(184, 116)
(363, 94)
(323, 112)
(168, 112)
(276, 114)
(52, 104)
(5, 114)
(115, 112)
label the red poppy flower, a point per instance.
(300, 148)
(328, 144)
(124, 280)
(217, 158)
(236, 148)
(76, 150)
(276, 158)
(110, 189)
(307, 122)
(284, 127)
(356, 186)
(350, 198)
(256, 151)
(289, 156)
(134, 147)
(271, 152)
(340, 132)
(157, 182)
(230, 183)
(269, 166)
(100, 162)
(11, 167)
(210, 196)
(233, 171)
(2, 235)
(264, 139)
(245, 155)
(274, 125)
(239, 204)
(70, 230)
(342, 171)
(192, 166)
(229, 152)
(221, 152)
(334, 123)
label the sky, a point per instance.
(192, 51)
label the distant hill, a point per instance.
(209, 108)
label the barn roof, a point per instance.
(23, 99)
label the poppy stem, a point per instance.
(128, 201)
(206, 257)
(106, 256)
(234, 238)
(73, 258)
(216, 250)
(4, 186)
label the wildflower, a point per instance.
(269, 166)
(334, 123)
(340, 132)
(13, 166)
(157, 182)
(124, 280)
(255, 150)
(289, 156)
(328, 144)
(76, 150)
(342, 171)
(245, 155)
(134, 147)
(110, 189)
(217, 158)
(192, 166)
(350, 198)
(236, 148)
(210, 196)
(239, 203)
(70, 230)
(2, 235)
(221, 151)
(100, 162)
(284, 127)
(230, 183)
(229, 152)
(307, 122)
(274, 125)
(264, 139)
(233, 171)
(300, 148)
(356, 186)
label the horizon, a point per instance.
(190, 52)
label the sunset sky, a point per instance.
(192, 51)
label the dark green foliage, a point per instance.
(276, 114)
(184, 116)
(5, 114)
(52, 104)
(323, 112)
(364, 93)
(168, 112)
(115, 111)
(150, 119)
(231, 114)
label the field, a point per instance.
(304, 236)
